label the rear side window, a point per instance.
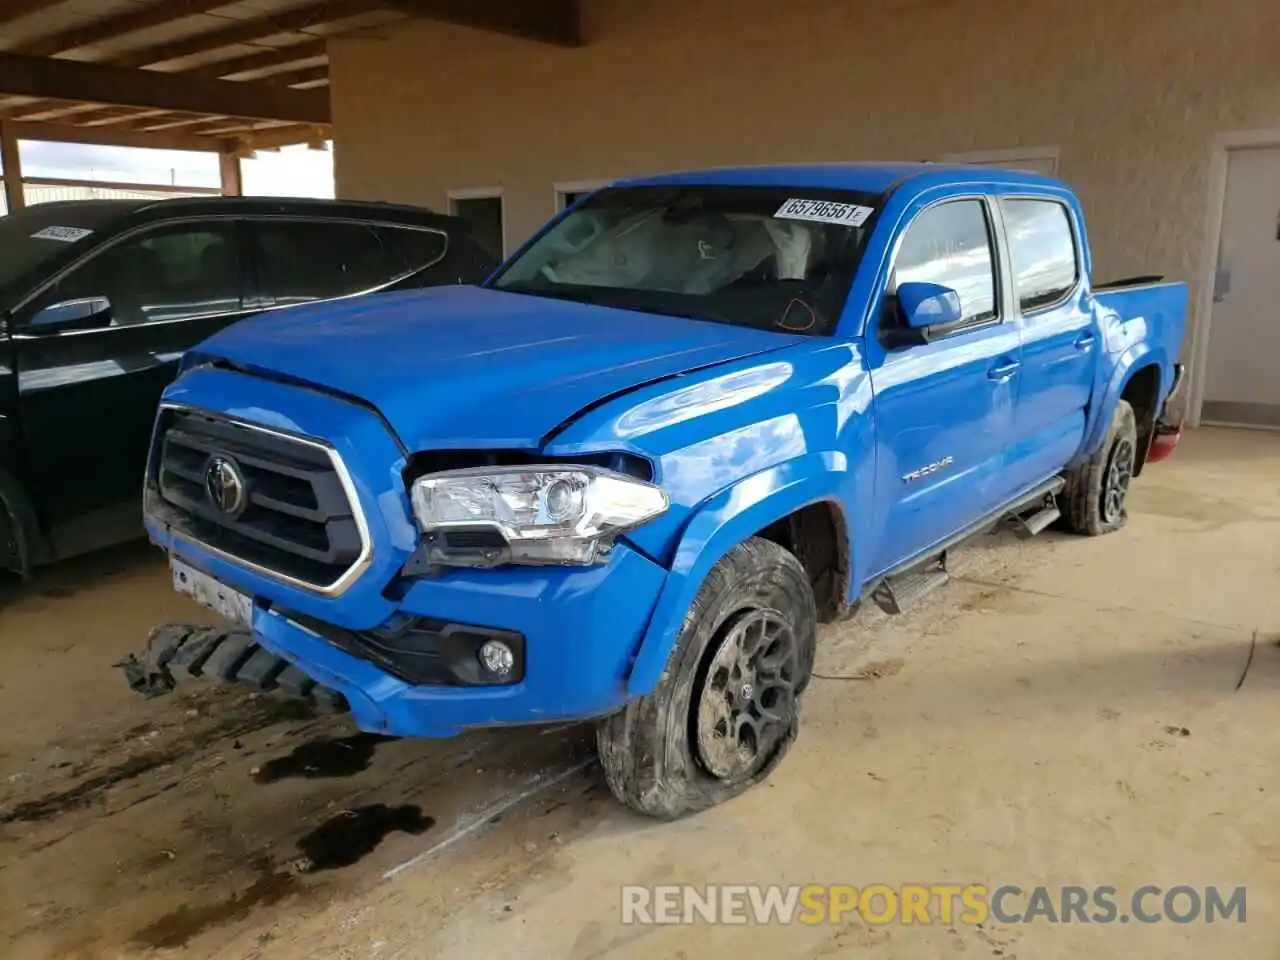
(950, 244)
(300, 261)
(418, 248)
(1042, 248)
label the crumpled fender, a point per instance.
(727, 519)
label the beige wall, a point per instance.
(1131, 91)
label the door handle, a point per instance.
(1003, 371)
(1085, 341)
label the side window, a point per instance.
(1042, 249)
(951, 244)
(301, 261)
(172, 272)
(418, 249)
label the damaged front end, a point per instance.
(179, 650)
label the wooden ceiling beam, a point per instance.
(305, 75)
(15, 9)
(247, 31)
(275, 57)
(557, 22)
(109, 136)
(50, 109)
(90, 82)
(134, 19)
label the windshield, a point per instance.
(37, 235)
(774, 258)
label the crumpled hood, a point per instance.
(460, 367)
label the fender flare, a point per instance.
(727, 519)
(1139, 355)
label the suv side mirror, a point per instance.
(925, 305)
(86, 314)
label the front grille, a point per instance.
(294, 518)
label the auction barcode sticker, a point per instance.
(824, 211)
(64, 234)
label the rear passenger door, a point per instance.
(303, 261)
(943, 408)
(1059, 338)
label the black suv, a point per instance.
(99, 299)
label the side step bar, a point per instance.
(910, 582)
(897, 593)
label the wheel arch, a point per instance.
(1142, 391)
(1138, 361)
(795, 504)
(22, 542)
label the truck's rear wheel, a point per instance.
(1097, 493)
(726, 708)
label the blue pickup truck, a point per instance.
(625, 478)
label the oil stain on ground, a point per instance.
(353, 834)
(259, 715)
(322, 759)
(175, 929)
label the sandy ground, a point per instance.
(1065, 712)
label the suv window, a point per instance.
(951, 244)
(172, 272)
(418, 249)
(301, 261)
(1042, 248)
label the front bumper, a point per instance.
(578, 627)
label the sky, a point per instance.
(291, 171)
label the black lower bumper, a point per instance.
(426, 652)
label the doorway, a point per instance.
(1242, 367)
(483, 210)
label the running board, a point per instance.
(1027, 525)
(900, 592)
(910, 582)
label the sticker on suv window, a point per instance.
(64, 234)
(824, 211)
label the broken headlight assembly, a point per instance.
(488, 516)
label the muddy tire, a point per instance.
(1095, 500)
(727, 707)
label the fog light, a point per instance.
(497, 658)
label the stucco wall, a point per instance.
(1131, 91)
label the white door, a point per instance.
(1242, 375)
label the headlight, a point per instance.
(533, 514)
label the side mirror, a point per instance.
(927, 305)
(88, 313)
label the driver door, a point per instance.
(89, 378)
(944, 407)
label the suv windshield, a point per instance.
(37, 235)
(774, 258)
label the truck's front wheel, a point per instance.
(727, 706)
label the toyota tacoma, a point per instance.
(626, 477)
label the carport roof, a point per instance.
(208, 74)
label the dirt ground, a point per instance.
(1067, 711)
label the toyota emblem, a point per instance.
(224, 485)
